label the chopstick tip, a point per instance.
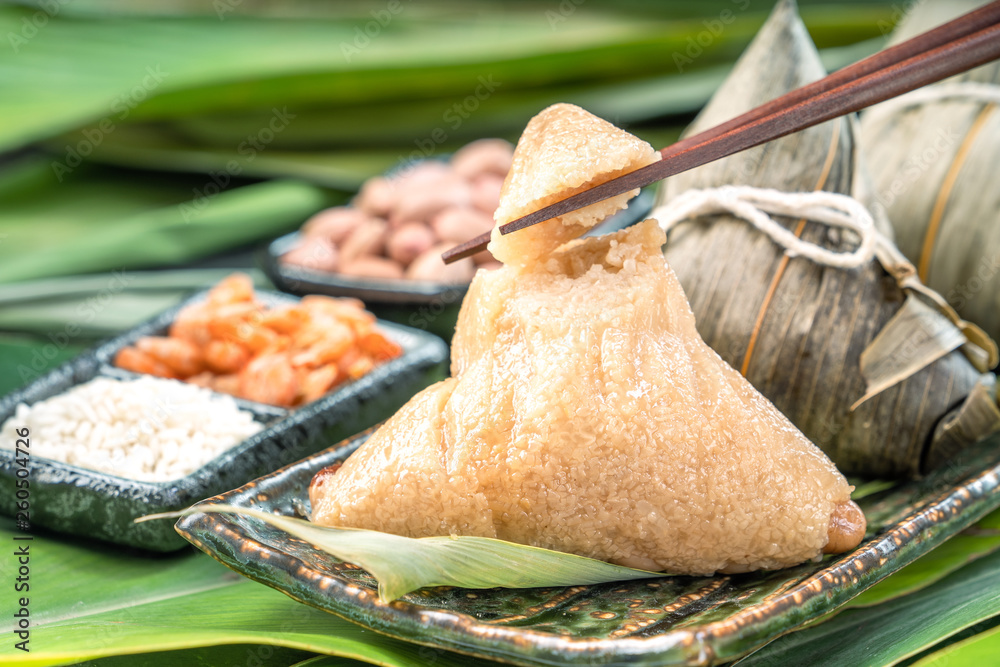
(467, 249)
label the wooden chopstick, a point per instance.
(959, 45)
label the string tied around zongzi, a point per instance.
(925, 317)
(757, 205)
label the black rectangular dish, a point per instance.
(76, 500)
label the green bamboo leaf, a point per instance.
(85, 321)
(980, 540)
(885, 634)
(865, 488)
(404, 564)
(90, 601)
(214, 656)
(96, 221)
(392, 132)
(981, 649)
(133, 68)
(24, 359)
(335, 661)
(83, 286)
(102, 68)
(84, 307)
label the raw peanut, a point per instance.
(457, 225)
(486, 192)
(377, 197)
(368, 239)
(418, 174)
(334, 224)
(422, 202)
(430, 266)
(373, 267)
(486, 155)
(314, 253)
(409, 241)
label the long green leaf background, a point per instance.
(145, 148)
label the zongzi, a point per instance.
(933, 155)
(585, 413)
(804, 334)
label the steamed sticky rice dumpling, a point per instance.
(822, 342)
(585, 413)
(933, 156)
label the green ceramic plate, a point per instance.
(668, 621)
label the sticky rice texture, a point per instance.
(587, 415)
(562, 151)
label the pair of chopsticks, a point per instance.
(967, 42)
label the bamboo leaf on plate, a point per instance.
(404, 564)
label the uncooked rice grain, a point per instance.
(148, 429)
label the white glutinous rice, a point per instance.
(148, 429)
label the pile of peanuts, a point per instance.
(288, 355)
(398, 226)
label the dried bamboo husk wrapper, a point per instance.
(934, 165)
(798, 330)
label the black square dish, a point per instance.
(76, 500)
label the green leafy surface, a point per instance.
(236, 655)
(93, 222)
(81, 308)
(88, 601)
(981, 649)
(127, 68)
(964, 548)
(98, 601)
(221, 79)
(885, 634)
(25, 358)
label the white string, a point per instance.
(973, 91)
(755, 204)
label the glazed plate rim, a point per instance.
(702, 643)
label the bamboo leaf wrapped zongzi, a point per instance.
(798, 329)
